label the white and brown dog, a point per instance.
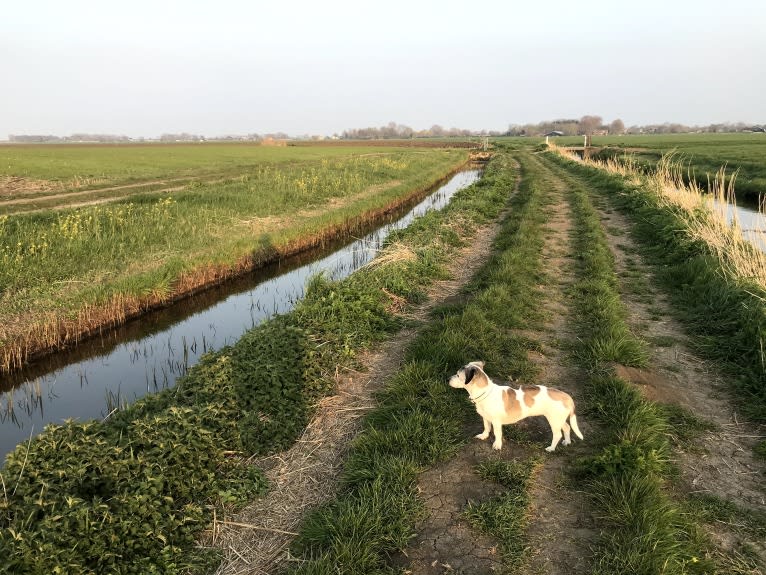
(500, 405)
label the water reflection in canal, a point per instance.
(150, 354)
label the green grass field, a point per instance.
(103, 252)
(120, 164)
(134, 493)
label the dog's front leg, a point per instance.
(485, 434)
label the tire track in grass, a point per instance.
(714, 449)
(445, 541)
(522, 496)
(421, 421)
(561, 525)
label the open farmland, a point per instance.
(46, 176)
(107, 252)
(327, 440)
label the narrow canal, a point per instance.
(149, 354)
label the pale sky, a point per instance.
(147, 67)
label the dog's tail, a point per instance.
(573, 423)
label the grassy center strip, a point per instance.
(420, 420)
(645, 532)
(132, 494)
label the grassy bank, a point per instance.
(72, 272)
(721, 306)
(701, 155)
(420, 420)
(130, 495)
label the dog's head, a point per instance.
(471, 374)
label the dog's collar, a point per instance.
(479, 398)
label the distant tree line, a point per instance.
(111, 138)
(184, 137)
(399, 131)
(38, 139)
(587, 125)
(594, 125)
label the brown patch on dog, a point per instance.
(480, 379)
(562, 397)
(512, 405)
(530, 392)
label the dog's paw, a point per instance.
(497, 446)
(550, 449)
(565, 442)
(482, 436)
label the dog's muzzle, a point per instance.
(456, 381)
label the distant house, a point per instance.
(554, 133)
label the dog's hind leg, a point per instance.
(485, 434)
(556, 426)
(567, 439)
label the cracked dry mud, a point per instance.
(445, 541)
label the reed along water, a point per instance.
(152, 352)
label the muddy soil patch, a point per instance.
(12, 186)
(445, 541)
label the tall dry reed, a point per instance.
(710, 217)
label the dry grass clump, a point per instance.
(256, 539)
(395, 252)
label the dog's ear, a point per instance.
(470, 371)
